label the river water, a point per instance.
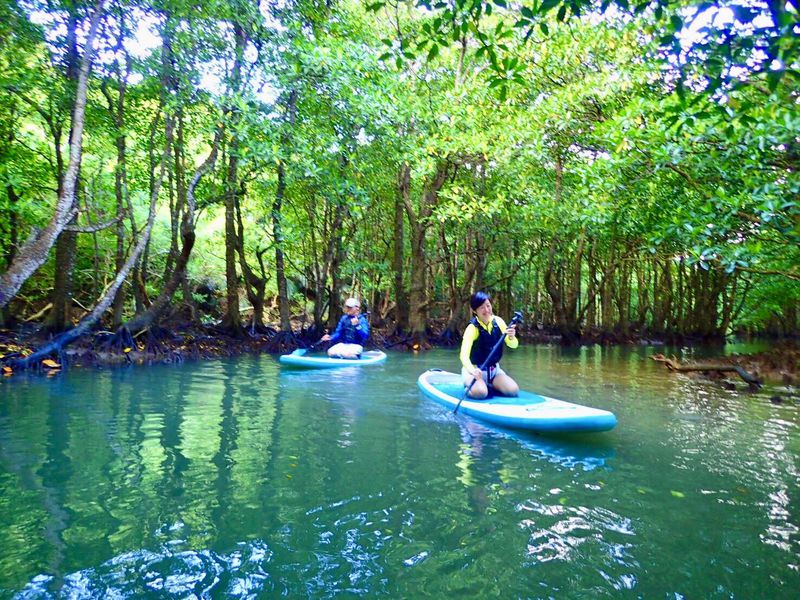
(238, 478)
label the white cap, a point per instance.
(351, 302)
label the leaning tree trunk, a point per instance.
(33, 254)
(89, 321)
(178, 276)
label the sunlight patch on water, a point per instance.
(558, 532)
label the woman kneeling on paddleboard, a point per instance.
(481, 335)
(351, 332)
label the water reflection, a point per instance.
(234, 478)
(571, 451)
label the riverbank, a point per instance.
(778, 365)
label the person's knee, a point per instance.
(479, 391)
(507, 386)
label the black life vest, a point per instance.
(484, 344)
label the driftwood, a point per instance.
(673, 364)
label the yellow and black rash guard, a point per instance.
(471, 334)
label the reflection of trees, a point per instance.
(228, 443)
(257, 409)
(56, 469)
(20, 458)
(175, 463)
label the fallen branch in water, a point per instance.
(673, 364)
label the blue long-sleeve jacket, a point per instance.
(351, 334)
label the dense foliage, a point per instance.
(611, 169)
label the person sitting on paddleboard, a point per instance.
(481, 335)
(350, 334)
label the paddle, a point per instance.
(517, 318)
(303, 351)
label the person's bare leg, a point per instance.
(504, 385)
(479, 391)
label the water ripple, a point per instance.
(167, 574)
(558, 531)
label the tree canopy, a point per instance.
(609, 168)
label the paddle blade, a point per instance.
(300, 352)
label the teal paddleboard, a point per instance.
(300, 359)
(527, 411)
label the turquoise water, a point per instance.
(241, 479)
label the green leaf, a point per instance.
(433, 52)
(774, 78)
(547, 5)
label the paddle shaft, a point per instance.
(517, 318)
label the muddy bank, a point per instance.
(181, 342)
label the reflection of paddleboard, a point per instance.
(299, 358)
(569, 450)
(526, 411)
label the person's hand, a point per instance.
(325, 338)
(511, 331)
(477, 374)
(354, 321)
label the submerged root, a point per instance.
(284, 342)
